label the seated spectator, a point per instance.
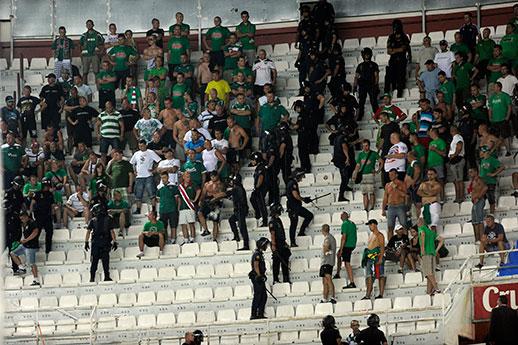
(28, 247)
(53, 152)
(59, 179)
(196, 144)
(398, 249)
(119, 209)
(152, 235)
(414, 248)
(81, 154)
(88, 169)
(493, 240)
(76, 206)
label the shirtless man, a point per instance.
(151, 52)
(168, 117)
(477, 188)
(394, 202)
(487, 139)
(210, 202)
(375, 266)
(237, 141)
(430, 192)
(414, 172)
(181, 126)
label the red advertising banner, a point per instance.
(485, 298)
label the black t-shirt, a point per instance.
(284, 137)
(27, 106)
(260, 170)
(397, 242)
(494, 232)
(57, 155)
(292, 186)
(386, 131)
(371, 336)
(84, 116)
(337, 60)
(101, 227)
(27, 230)
(350, 102)
(258, 256)
(307, 123)
(217, 123)
(43, 203)
(398, 41)
(366, 71)
(159, 34)
(319, 70)
(308, 25)
(156, 147)
(129, 118)
(339, 157)
(13, 200)
(323, 12)
(275, 224)
(329, 336)
(52, 96)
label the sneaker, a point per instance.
(323, 301)
(479, 266)
(139, 255)
(35, 283)
(191, 240)
(350, 286)
(137, 211)
(108, 279)
(20, 271)
(348, 189)
(301, 233)
(243, 249)
(205, 232)
(336, 276)
(365, 298)
(400, 271)
(293, 245)
(508, 154)
(515, 194)
(332, 300)
(341, 199)
(378, 297)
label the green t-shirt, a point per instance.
(217, 36)
(429, 239)
(155, 72)
(410, 167)
(460, 47)
(231, 62)
(62, 48)
(177, 46)
(177, 92)
(370, 165)
(106, 86)
(499, 104)
(183, 28)
(89, 41)
(243, 121)
(493, 76)
(12, 157)
(167, 195)
(248, 28)
(420, 151)
(28, 188)
(121, 54)
(236, 85)
(481, 112)
(163, 93)
(349, 230)
(191, 192)
(485, 49)
(435, 159)
(449, 90)
(509, 45)
(462, 75)
(186, 69)
(488, 166)
(121, 205)
(119, 172)
(156, 227)
(193, 107)
(57, 177)
(246, 71)
(270, 115)
(196, 169)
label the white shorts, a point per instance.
(435, 213)
(186, 217)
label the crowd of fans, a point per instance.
(183, 142)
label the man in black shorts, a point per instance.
(347, 245)
(326, 265)
(152, 235)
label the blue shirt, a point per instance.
(191, 145)
(430, 80)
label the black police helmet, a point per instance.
(298, 173)
(98, 209)
(328, 321)
(276, 209)
(373, 320)
(256, 156)
(46, 182)
(101, 186)
(237, 179)
(298, 104)
(198, 336)
(262, 243)
(18, 181)
(367, 51)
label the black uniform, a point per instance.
(240, 213)
(101, 227)
(284, 137)
(307, 140)
(13, 204)
(51, 115)
(43, 201)
(340, 161)
(258, 282)
(371, 336)
(296, 210)
(258, 194)
(281, 256)
(366, 85)
(337, 80)
(27, 106)
(272, 170)
(395, 78)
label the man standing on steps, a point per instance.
(430, 192)
(238, 194)
(373, 260)
(103, 239)
(91, 43)
(428, 252)
(295, 208)
(327, 262)
(477, 188)
(280, 251)
(394, 202)
(347, 246)
(258, 277)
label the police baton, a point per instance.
(270, 293)
(320, 196)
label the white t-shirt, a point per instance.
(205, 133)
(143, 162)
(169, 163)
(220, 145)
(263, 71)
(396, 163)
(83, 90)
(34, 157)
(113, 39)
(210, 161)
(508, 84)
(74, 202)
(205, 117)
(457, 138)
(444, 61)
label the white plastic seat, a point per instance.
(243, 314)
(171, 250)
(298, 265)
(16, 65)
(314, 264)
(402, 302)
(241, 269)
(413, 278)
(382, 304)
(299, 288)
(146, 321)
(369, 42)
(52, 280)
(394, 280)
(145, 298)
(466, 250)
(89, 300)
(362, 305)
(226, 315)
(320, 219)
(13, 283)
(358, 217)
(382, 59)
(203, 294)
(351, 44)
(242, 292)
(405, 327)
(323, 159)
(452, 230)
(166, 319)
(288, 337)
(281, 49)
(166, 273)
(303, 242)
(323, 309)
(3, 64)
(284, 311)
(164, 297)
(67, 301)
(107, 323)
(281, 66)
(417, 38)
(205, 317)
(425, 326)
(343, 308)
(204, 271)
(267, 48)
(78, 235)
(449, 35)
(148, 275)
(450, 275)
(33, 79)
(310, 336)
(38, 63)
(208, 248)
(281, 289)
(436, 36)
(422, 301)
(75, 256)
(61, 235)
(323, 179)
(190, 249)
(509, 224)
(185, 272)
(186, 318)
(224, 270)
(506, 202)
(304, 310)
(56, 258)
(107, 300)
(127, 299)
(46, 327)
(307, 181)
(29, 303)
(222, 293)
(184, 295)
(127, 322)
(128, 276)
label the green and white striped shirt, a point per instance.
(110, 127)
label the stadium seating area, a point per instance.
(163, 295)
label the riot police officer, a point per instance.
(13, 205)
(280, 251)
(102, 193)
(238, 195)
(371, 334)
(271, 151)
(198, 337)
(330, 335)
(103, 239)
(307, 140)
(285, 144)
(42, 205)
(259, 192)
(295, 208)
(258, 277)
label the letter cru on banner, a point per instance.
(485, 298)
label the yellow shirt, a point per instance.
(221, 87)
